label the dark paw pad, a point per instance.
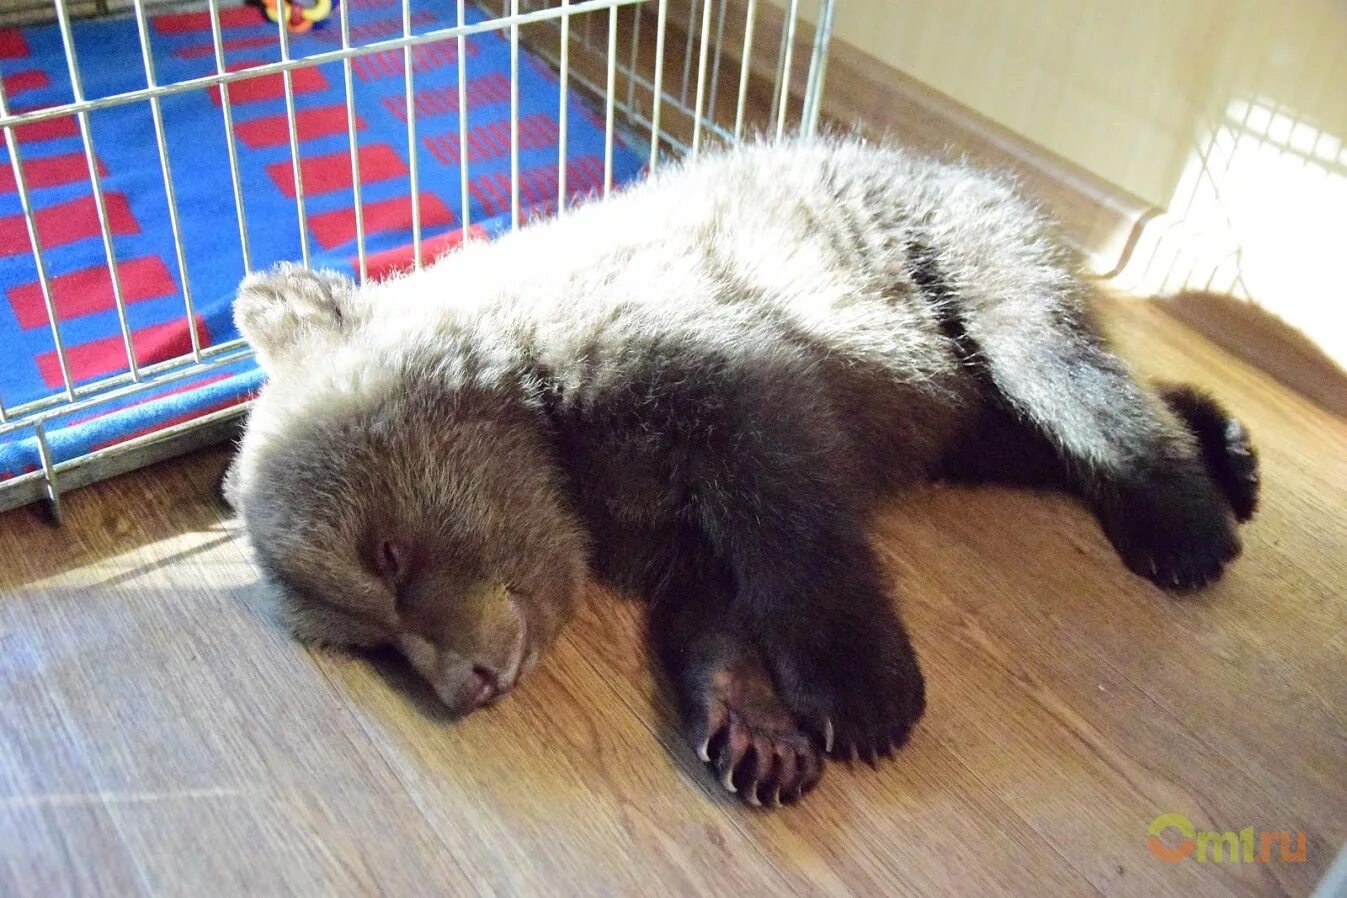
(1174, 528)
(753, 742)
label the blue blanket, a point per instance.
(35, 75)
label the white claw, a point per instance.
(727, 779)
(705, 751)
(752, 796)
(828, 735)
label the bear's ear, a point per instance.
(287, 310)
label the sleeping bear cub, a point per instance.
(698, 390)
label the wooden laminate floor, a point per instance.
(159, 737)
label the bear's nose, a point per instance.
(463, 685)
(487, 688)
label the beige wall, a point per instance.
(1122, 88)
(1231, 114)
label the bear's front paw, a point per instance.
(752, 741)
(861, 693)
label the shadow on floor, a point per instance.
(1264, 340)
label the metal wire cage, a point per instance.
(666, 77)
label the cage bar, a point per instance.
(226, 110)
(690, 39)
(633, 60)
(353, 144)
(657, 86)
(465, 198)
(170, 196)
(608, 105)
(288, 88)
(701, 78)
(514, 114)
(96, 182)
(58, 404)
(745, 67)
(563, 77)
(719, 54)
(152, 379)
(818, 72)
(413, 166)
(39, 260)
(49, 474)
(783, 75)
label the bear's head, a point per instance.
(402, 493)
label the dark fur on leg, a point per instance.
(730, 711)
(999, 446)
(783, 508)
(750, 455)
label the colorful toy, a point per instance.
(298, 18)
